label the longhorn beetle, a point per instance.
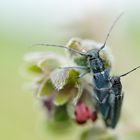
(110, 100)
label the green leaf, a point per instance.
(65, 94)
(46, 89)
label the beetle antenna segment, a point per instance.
(112, 26)
(60, 46)
(129, 71)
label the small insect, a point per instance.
(110, 100)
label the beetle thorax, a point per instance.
(96, 65)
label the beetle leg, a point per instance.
(96, 97)
(105, 99)
(101, 101)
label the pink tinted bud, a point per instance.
(82, 113)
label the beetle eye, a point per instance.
(89, 55)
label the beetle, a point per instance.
(109, 100)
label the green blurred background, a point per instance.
(23, 23)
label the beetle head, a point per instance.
(115, 80)
(93, 54)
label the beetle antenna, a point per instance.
(60, 46)
(129, 71)
(112, 26)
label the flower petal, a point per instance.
(61, 77)
(65, 94)
(48, 64)
(32, 68)
(46, 89)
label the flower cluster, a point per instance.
(65, 96)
